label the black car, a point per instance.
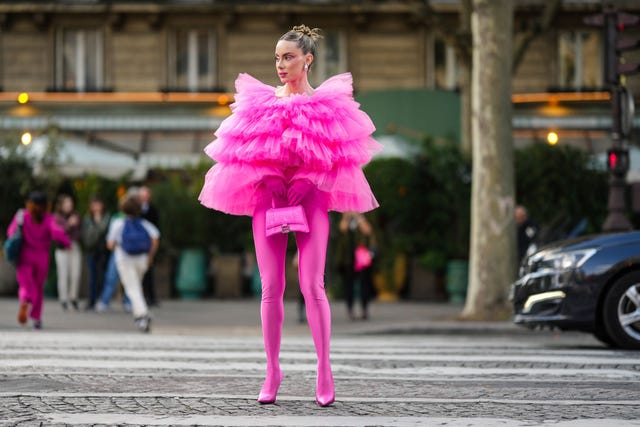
(589, 284)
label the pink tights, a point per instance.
(270, 252)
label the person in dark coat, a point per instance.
(527, 231)
(151, 214)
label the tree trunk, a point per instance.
(493, 248)
(464, 55)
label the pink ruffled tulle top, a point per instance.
(323, 137)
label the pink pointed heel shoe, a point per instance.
(325, 400)
(269, 390)
(325, 390)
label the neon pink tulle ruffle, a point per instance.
(325, 137)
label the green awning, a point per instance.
(414, 112)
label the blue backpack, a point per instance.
(135, 238)
(13, 244)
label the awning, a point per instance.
(91, 123)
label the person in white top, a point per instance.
(134, 241)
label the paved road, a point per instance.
(437, 375)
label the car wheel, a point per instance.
(621, 311)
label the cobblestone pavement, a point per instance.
(124, 378)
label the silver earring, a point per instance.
(306, 67)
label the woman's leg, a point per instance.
(39, 279)
(110, 281)
(62, 271)
(365, 291)
(270, 253)
(92, 269)
(24, 275)
(75, 270)
(349, 285)
(313, 252)
(131, 271)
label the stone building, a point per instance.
(153, 79)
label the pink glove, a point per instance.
(275, 186)
(298, 191)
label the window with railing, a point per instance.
(192, 60)
(579, 60)
(444, 74)
(331, 57)
(79, 60)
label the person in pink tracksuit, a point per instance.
(38, 230)
(285, 146)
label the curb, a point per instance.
(444, 328)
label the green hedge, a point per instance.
(425, 201)
(560, 186)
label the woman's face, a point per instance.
(290, 61)
(96, 206)
(67, 205)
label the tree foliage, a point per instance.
(185, 223)
(560, 186)
(424, 204)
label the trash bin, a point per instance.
(191, 275)
(457, 277)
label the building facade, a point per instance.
(153, 79)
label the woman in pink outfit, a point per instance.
(39, 228)
(285, 146)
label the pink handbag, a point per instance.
(363, 258)
(285, 220)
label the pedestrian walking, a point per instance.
(95, 224)
(301, 149)
(68, 260)
(134, 241)
(39, 229)
(356, 261)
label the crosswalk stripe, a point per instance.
(310, 355)
(320, 421)
(282, 398)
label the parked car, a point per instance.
(589, 284)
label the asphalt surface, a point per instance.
(409, 365)
(243, 317)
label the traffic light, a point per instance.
(625, 44)
(618, 160)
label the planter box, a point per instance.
(228, 276)
(426, 285)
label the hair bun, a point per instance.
(312, 33)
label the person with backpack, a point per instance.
(39, 228)
(134, 241)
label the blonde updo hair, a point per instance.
(306, 39)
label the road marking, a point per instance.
(320, 421)
(147, 354)
(368, 378)
(11, 366)
(350, 399)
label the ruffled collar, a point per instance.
(340, 84)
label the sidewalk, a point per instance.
(242, 317)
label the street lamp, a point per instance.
(552, 138)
